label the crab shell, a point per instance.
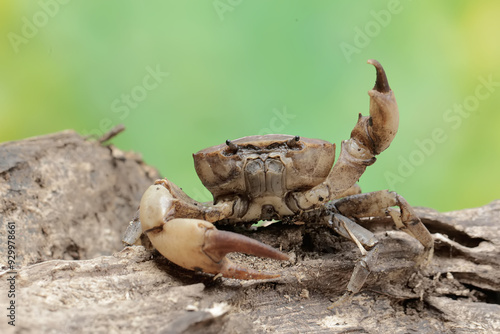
(263, 165)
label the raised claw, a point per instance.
(196, 244)
(384, 115)
(371, 135)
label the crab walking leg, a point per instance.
(370, 136)
(362, 237)
(133, 232)
(378, 204)
(196, 244)
(354, 190)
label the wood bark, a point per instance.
(71, 200)
(68, 197)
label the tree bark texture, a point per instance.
(71, 200)
(68, 197)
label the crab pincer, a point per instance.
(381, 126)
(196, 244)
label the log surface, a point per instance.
(68, 197)
(72, 199)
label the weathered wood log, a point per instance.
(67, 196)
(137, 290)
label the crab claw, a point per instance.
(382, 124)
(196, 244)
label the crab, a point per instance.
(280, 177)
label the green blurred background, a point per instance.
(237, 68)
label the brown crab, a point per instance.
(280, 177)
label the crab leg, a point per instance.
(363, 238)
(196, 244)
(133, 232)
(378, 204)
(370, 136)
(374, 204)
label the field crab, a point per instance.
(280, 177)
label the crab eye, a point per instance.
(232, 147)
(293, 142)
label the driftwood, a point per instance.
(72, 199)
(68, 197)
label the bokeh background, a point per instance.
(185, 75)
